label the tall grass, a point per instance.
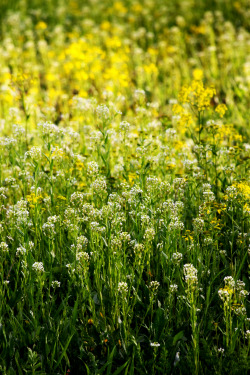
(124, 187)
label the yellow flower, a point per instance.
(106, 25)
(177, 109)
(197, 95)
(221, 109)
(61, 198)
(198, 74)
(131, 178)
(41, 25)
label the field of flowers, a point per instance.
(124, 187)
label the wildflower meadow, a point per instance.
(124, 187)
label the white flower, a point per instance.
(4, 246)
(92, 168)
(173, 288)
(124, 126)
(198, 224)
(224, 295)
(55, 284)
(34, 153)
(38, 267)
(123, 287)
(102, 111)
(20, 251)
(155, 344)
(83, 255)
(229, 281)
(177, 257)
(149, 234)
(247, 334)
(190, 273)
(221, 350)
(154, 285)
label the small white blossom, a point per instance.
(55, 284)
(102, 111)
(155, 344)
(38, 267)
(123, 287)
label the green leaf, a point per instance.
(178, 336)
(119, 370)
(64, 350)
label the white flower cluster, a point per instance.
(139, 93)
(174, 208)
(208, 241)
(95, 227)
(231, 192)
(123, 287)
(4, 246)
(124, 126)
(225, 295)
(190, 273)
(8, 142)
(223, 252)
(176, 224)
(20, 250)
(102, 112)
(145, 219)
(49, 229)
(173, 288)
(47, 128)
(38, 267)
(20, 212)
(116, 243)
(92, 169)
(83, 256)
(198, 225)
(208, 195)
(82, 104)
(177, 257)
(155, 344)
(152, 184)
(77, 198)
(171, 134)
(124, 236)
(34, 153)
(153, 286)
(229, 281)
(99, 186)
(18, 131)
(55, 284)
(139, 248)
(231, 289)
(81, 241)
(241, 310)
(247, 334)
(149, 234)
(220, 350)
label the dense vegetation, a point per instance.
(124, 187)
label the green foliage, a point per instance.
(124, 187)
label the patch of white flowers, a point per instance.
(38, 267)
(122, 287)
(190, 274)
(102, 111)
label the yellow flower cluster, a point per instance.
(221, 109)
(197, 95)
(244, 189)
